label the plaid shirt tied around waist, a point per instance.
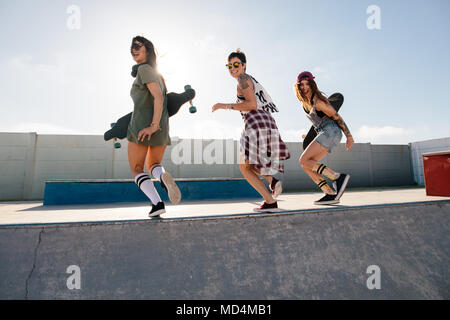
(261, 144)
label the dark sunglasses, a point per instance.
(236, 65)
(136, 46)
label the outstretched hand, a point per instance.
(218, 106)
(349, 142)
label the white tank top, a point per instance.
(263, 99)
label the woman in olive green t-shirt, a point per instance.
(148, 131)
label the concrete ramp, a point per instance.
(312, 254)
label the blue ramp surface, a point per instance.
(63, 192)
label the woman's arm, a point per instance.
(158, 101)
(245, 87)
(330, 112)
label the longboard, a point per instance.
(336, 100)
(174, 103)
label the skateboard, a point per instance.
(336, 100)
(174, 102)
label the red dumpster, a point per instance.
(436, 169)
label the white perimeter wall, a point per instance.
(28, 159)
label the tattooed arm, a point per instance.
(245, 88)
(340, 122)
(330, 112)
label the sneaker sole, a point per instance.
(172, 188)
(156, 213)
(327, 202)
(344, 185)
(267, 210)
(278, 189)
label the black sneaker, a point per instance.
(327, 199)
(169, 185)
(266, 207)
(276, 187)
(157, 210)
(340, 183)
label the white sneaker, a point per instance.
(171, 188)
(276, 187)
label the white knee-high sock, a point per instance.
(157, 170)
(146, 185)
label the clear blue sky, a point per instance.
(395, 80)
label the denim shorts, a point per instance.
(329, 136)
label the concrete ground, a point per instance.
(33, 212)
(377, 244)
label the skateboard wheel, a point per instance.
(117, 145)
(187, 87)
(192, 109)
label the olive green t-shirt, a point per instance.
(143, 108)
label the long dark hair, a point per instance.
(151, 54)
(315, 92)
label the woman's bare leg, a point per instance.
(268, 178)
(136, 160)
(248, 171)
(276, 187)
(136, 157)
(155, 155)
(309, 162)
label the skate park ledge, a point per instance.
(376, 249)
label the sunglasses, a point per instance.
(236, 65)
(136, 46)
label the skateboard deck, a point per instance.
(174, 103)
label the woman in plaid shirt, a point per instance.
(261, 146)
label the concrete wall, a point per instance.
(28, 159)
(322, 254)
(421, 147)
(17, 154)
